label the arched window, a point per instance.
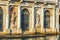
(59, 23)
(24, 19)
(46, 19)
(1, 19)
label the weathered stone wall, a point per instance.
(32, 7)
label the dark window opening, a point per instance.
(46, 19)
(59, 22)
(24, 19)
(1, 19)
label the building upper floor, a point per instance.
(33, 0)
(30, 1)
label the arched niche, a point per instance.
(12, 17)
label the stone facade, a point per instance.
(28, 17)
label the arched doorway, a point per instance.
(46, 19)
(24, 19)
(1, 19)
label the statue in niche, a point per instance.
(13, 19)
(37, 18)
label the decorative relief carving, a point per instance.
(37, 20)
(13, 17)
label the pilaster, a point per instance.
(53, 20)
(7, 30)
(19, 21)
(57, 20)
(42, 20)
(32, 29)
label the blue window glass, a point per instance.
(1, 19)
(46, 19)
(24, 19)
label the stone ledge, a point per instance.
(19, 31)
(6, 31)
(28, 32)
(39, 30)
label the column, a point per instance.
(54, 20)
(51, 19)
(42, 20)
(32, 29)
(57, 20)
(19, 20)
(7, 30)
(7, 18)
